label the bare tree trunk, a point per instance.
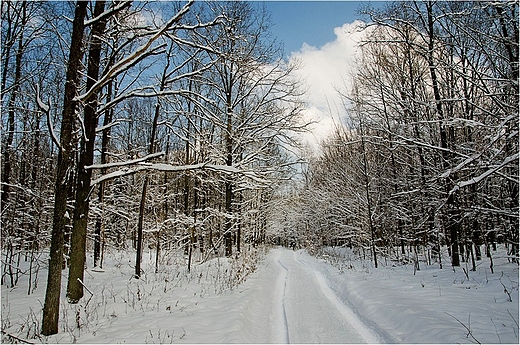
(65, 163)
(101, 192)
(453, 214)
(367, 194)
(239, 228)
(86, 158)
(151, 149)
(193, 230)
(139, 244)
(229, 184)
(6, 176)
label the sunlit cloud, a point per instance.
(327, 71)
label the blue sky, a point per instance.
(312, 22)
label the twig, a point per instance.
(506, 291)
(512, 317)
(466, 327)
(496, 331)
(465, 272)
(86, 288)
(16, 338)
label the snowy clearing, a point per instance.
(290, 297)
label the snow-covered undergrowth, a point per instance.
(117, 308)
(431, 305)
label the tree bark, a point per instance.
(64, 169)
(101, 192)
(86, 158)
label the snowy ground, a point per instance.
(290, 297)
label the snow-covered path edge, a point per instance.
(370, 336)
(432, 306)
(276, 303)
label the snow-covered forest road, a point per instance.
(293, 297)
(310, 311)
(285, 301)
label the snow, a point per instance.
(277, 296)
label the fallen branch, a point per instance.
(86, 288)
(512, 317)
(16, 338)
(466, 327)
(506, 291)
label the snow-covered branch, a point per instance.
(141, 166)
(125, 163)
(46, 109)
(500, 134)
(103, 128)
(115, 174)
(129, 60)
(120, 5)
(487, 173)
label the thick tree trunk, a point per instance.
(86, 158)
(64, 169)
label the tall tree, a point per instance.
(65, 165)
(86, 158)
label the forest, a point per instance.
(176, 127)
(428, 158)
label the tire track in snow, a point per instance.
(351, 318)
(281, 326)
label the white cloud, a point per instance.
(326, 70)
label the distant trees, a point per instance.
(430, 151)
(26, 150)
(255, 105)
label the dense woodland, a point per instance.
(175, 126)
(428, 158)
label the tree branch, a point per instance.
(45, 108)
